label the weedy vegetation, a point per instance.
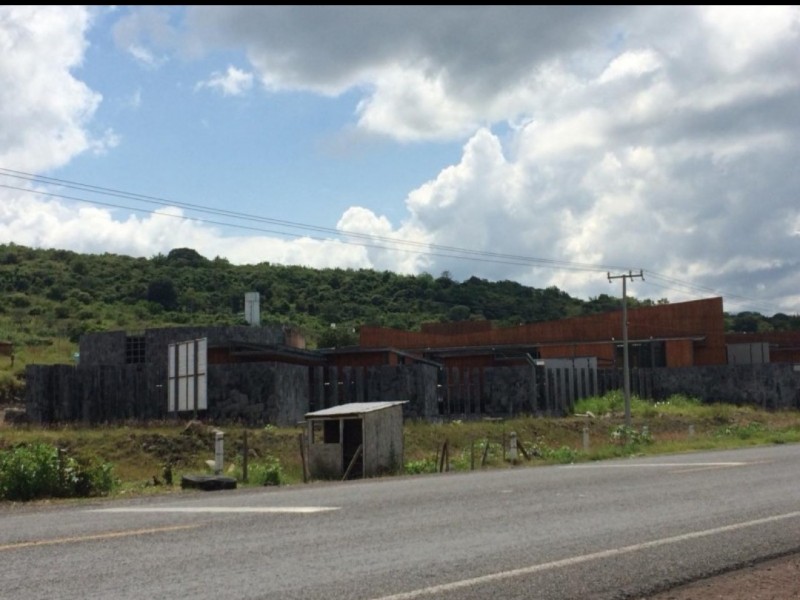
(150, 458)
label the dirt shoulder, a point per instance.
(775, 579)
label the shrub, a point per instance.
(268, 472)
(742, 432)
(564, 455)
(38, 470)
(11, 388)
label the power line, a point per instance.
(386, 243)
(517, 259)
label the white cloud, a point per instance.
(44, 109)
(741, 36)
(37, 222)
(234, 82)
(631, 64)
(408, 106)
(662, 138)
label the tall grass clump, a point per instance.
(612, 402)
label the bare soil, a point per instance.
(775, 579)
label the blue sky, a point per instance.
(548, 145)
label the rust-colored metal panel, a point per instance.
(680, 353)
(459, 327)
(295, 339)
(702, 320)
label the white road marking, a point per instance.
(656, 465)
(216, 509)
(567, 562)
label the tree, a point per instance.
(459, 312)
(162, 291)
(185, 257)
(337, 337)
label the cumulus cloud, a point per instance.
(32, 219)
(632, 165)
(44, 109)
(444, 68)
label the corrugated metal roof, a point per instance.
(353, 408)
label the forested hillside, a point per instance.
(50, 297)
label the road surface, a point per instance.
(620, 529)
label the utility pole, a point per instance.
(626, 376)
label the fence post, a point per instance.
(303, 457)
(472, 455)
(245, 452)
(485, 452)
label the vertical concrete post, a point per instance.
(691, 431)
(585, 439)
(219, 454)
(512, 453)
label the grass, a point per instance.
(144, 455)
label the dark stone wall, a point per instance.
(258, 393)
(252, 393)
(108, 348)
(767, 386)
(516, 390)
(414, 384)
(100, 394)
(281, 394)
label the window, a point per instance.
(134, 350)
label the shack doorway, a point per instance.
(352, 448)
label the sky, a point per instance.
(548, 145)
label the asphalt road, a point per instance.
(608, 530)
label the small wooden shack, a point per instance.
(355, 440)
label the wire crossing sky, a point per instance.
(547, 145)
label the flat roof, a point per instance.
(378, 350)
(353, 408)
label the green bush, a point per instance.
(35, 471)
(269, 472)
